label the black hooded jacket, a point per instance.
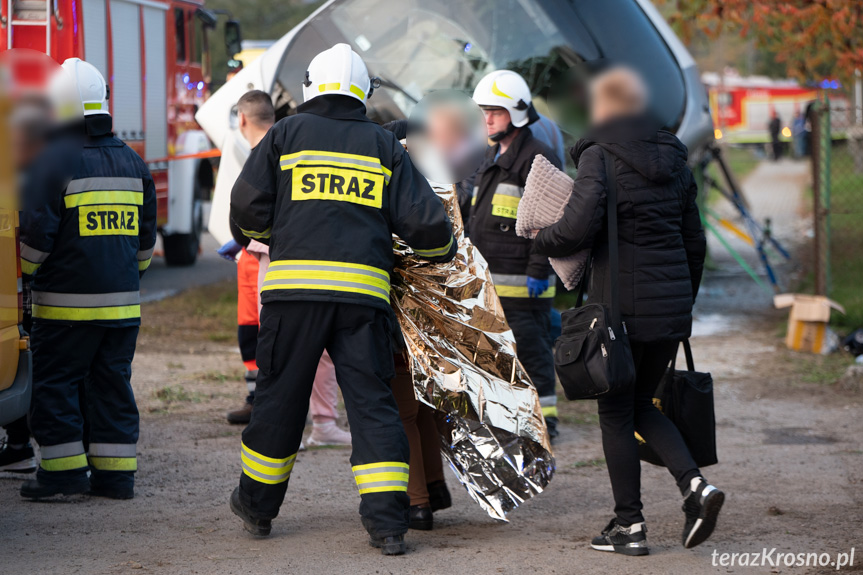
(662, 243)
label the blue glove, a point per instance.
(536, 287)
(230, 250)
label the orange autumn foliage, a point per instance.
(813, 38)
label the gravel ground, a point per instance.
(791, 464)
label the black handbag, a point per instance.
(593, 357)
(686, 398)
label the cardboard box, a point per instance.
(807, 322)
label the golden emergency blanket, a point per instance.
(462, 356)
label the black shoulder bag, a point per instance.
(686, 398)
(593, 357)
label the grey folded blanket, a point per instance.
(546, 194)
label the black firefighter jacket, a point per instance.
(326, 188)
(662, 243)
(497, 191)
(88, 228)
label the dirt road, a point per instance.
(789, 446)
(791, 463)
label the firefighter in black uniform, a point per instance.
(88, 229)
(327, 188)
(523, 279)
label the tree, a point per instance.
(815, 39)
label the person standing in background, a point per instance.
(523, 278)
(775, 128)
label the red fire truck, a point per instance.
(743, 106)
(155, 56)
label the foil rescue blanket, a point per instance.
(462, 357)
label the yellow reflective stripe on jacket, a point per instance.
(87, 314)
(504, 202)
(380, 477)
(64, 456)
(436, 251)
(31, 258)
(87, 307)
(327, 276)
(337, 159)
(104, 183)
(257, 235)
(144, 258)
(504, 206)
(265, 469)
(515, 285)
(104, 197)
(28, 268)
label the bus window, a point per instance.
(180, 33)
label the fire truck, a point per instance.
(743, 106)
(155, 56)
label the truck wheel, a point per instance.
(182, 249)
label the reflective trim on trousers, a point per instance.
(265, 469)
(381, 477)
(63, 457)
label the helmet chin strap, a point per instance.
(497, 137)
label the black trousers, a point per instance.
(292, 337)
(620, 416)
(67, 358)
(532, 330)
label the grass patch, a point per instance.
(741, 160)
(846, 238)
(577, 412)
(206, 313)
(172, 394)
(595, 463)
(220, 376)
(821, 369)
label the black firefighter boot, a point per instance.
(36, 489)
(392, 545)
(255, 526)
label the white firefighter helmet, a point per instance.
(338, 70)
(505, 89)
(91, 86)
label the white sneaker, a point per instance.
(328, 434)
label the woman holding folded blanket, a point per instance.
(662, 249)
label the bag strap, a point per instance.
(687, 351)
(613, 254)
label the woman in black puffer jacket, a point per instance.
(662, 249)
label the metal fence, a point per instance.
(836, 148)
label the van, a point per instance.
(15, 359)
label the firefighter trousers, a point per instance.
(292, 338)
(532, 330)
(67, 358)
